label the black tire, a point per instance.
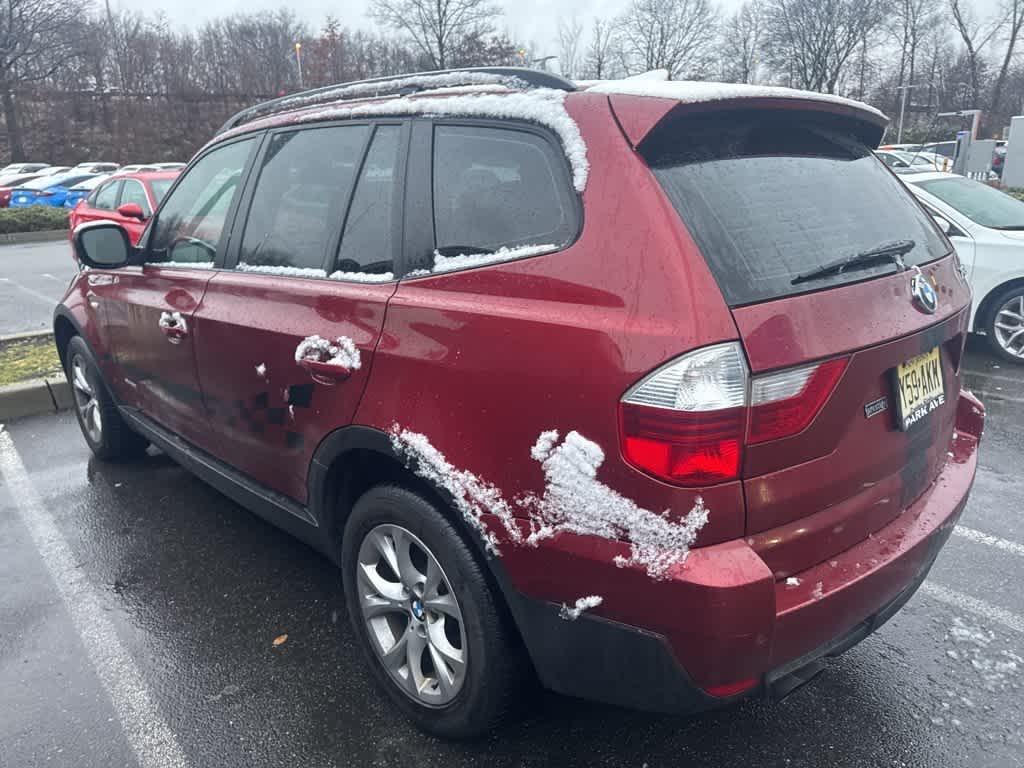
(114, 440)
(998, 301)
(497, 671)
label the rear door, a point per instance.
(773, 201)
(150, 309)
(315, 257)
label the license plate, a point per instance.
(919, 388)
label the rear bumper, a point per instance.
(723, 624)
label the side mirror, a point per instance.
(132, 211)
(102, 245)
(944, 224)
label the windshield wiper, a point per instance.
(893, 251)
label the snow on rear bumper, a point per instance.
(723, 618)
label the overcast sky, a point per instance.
(527, 20)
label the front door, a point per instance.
(315, 258)
(151, 312)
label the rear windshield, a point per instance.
(772, 197)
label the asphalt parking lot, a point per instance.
(33, 278)
(139, 607)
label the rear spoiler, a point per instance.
(638, 115)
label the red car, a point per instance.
(128, 199)
(651, 389)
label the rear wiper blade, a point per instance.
(893, 251)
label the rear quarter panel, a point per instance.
(482, 361)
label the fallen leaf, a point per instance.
(280, 640)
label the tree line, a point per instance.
(80, 81)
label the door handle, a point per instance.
(174, 326)
(324, 372)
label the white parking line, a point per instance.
(987, 538)
(48, 300)
(987, 396)
(974, 605)
(152, 741)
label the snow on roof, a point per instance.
(544, 106)
(391, 85)
(699, 92)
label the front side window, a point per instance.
(106, 196)
(497, 187)
(367, 244)
(191, 222)
(304, 184)
(132, 192)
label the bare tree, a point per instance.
(676, 35)
(975, 36)
(812, 41)
(437, 27)
(1014, 15)
(741, 43)
(597, 62)
(36, 36)
(569, 35)
(913, 21)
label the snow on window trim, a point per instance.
(698, 92)
(315, 272)
(581, 605)
(342, 352)
(544, 106)
(466, 260)
(181, 264)
(573, 501)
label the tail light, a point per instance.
(688, 422)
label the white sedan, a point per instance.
(987, 228)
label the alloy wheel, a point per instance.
(412, 616)
(85, 399)
(1009, 326)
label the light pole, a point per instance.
(903, 108)
(298, 61)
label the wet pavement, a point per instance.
(33, 278)
(138, 609)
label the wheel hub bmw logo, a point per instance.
(417, 610)
(923, 293)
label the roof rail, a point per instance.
(517, 77)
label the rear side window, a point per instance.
(497, 187)
(132, 192)
(773, 197)
(106, 196)
(300, 197)
(367, 244)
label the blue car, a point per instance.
(47, 190)
(79, 192)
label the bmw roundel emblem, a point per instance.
(924, 295)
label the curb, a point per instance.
(34, 397)
(47, 235)
(25, 336)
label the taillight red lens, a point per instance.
(687, 422)
(775, 413)
(682, 447)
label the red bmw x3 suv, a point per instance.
(560, 377)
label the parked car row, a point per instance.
(25, 184)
